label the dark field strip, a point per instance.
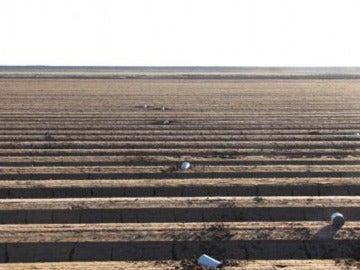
(169, 169)
(166, 131)
(207, 153)
(177, 251)
(204, 111)
(162, 172)
(146, 116)
(158, 125)
(173, 187)
(216, 144)
(178, 138)
(183, 122)
(178, 116)
(165, 161)
(176, 209)
(210, 107)
(151, 115)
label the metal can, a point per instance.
(337, 220)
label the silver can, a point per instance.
(337, 220)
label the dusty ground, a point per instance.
(262, 151)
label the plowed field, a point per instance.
(88, 174)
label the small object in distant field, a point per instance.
(163, 108)
(207, 261)
(337, 220)
(146, 106)
(166, 122)
(185, 165)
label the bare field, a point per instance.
(88, 174)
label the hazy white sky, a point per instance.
(180, 32)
